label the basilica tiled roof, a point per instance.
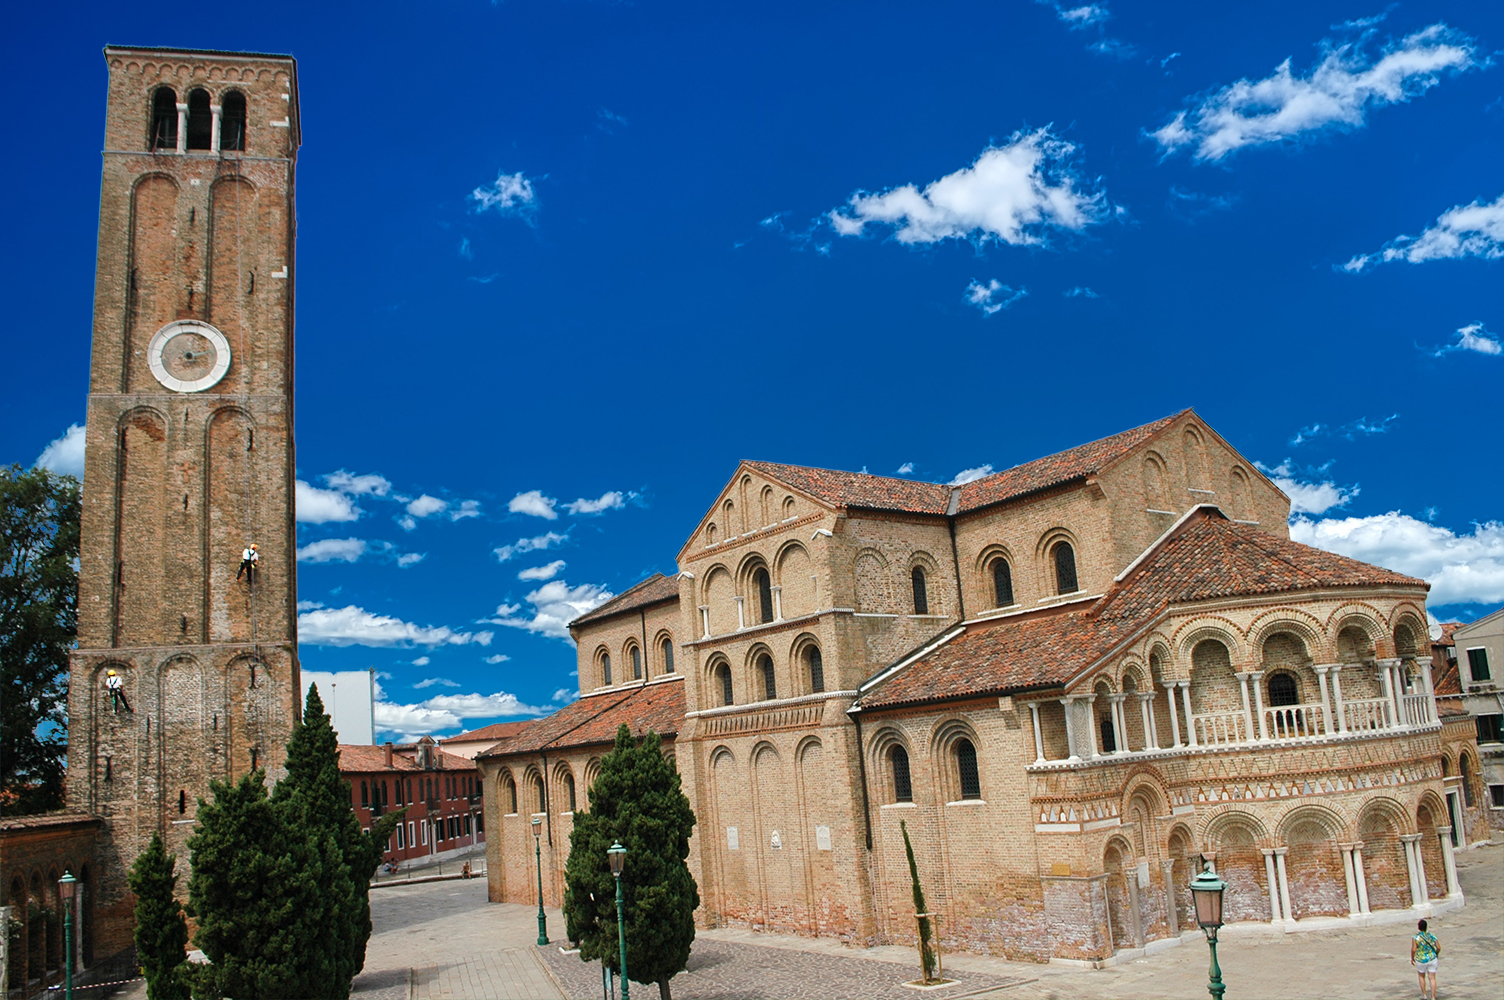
(495, 733)
(593, 719)
(654, 589)
(858, 489)
(1207, 556)
(358, 757)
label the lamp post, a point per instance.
(1206, 892)
(67, 888)
(618, 856)
(538, 854)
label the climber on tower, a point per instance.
(248, 560)
(116, 687)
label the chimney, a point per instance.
(388, 753)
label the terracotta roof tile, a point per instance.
(653, 590)
(593, 719)
(859, 489)
(357, 757)
(1208, 557)
(495, 731)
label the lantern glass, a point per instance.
(537, 825)
(1206, 890)
(618, 856)
(67, 887)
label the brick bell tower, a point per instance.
(189, 450)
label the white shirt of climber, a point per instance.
(250, 555)
(113, 682)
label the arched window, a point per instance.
(1282, 690)
(232, 120)
(816, 669)
(569, 790)
(769, 685)
(1002, 583)
(1465, 772)
(606, 669)
(898, 760)
(921, 596)
(511, 796)
(764, 595)
(966, 768)
(723, 675)
(636, 655)
(200, 120)
(1065, 568)
(668, 656)
(164, 119)
(1109, 737)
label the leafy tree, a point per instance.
(39, 515)
(636, 801)
(161, 932)
(926, 948)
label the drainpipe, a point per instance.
(955, 557)
(548, 816)
(861, 767)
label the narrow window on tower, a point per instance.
(668, 656)
(903, 788)
(921, 596)
(200, 120)
(1065, 568)
(232, 121)
(816, 670)
(769, 684)
(636, 664)
(1002, 583)
(164, 119)
(764, 595)
(182, 801)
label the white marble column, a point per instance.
(1391, 708)
(1174, 716)
(1418, 890)
(1425, 673)
(1352, 882)
(218, 113)
(1337, 697)
(1145, 709)
(1120, 723)
(1257, 677)
(778, 603)
(1038, 734)
(1171, 914)
(1091, 727)
(741, 612)
(1070, 730)
(1284, 883)
(1361, 876)
(1190, 719)
(1272, 880)
(1326, 702)
(705, 620)
(1247, 708)
(182, 128)
(1449, 861)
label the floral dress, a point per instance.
(1426, 949)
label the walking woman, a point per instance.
(1424, 951)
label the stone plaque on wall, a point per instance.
(731, 841)
(822, 838)
(1143, 874)
(777, 841)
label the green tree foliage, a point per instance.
(637, 801)
(161, 931)
(39, 513)
(279, 881)
(926, 934)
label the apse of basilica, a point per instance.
(1075, 681)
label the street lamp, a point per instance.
(67, 888)
(618, 856)
(538, 853)
(1206, 892)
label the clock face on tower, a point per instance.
(188, 355)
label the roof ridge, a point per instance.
(842, 472)
(1083, 444)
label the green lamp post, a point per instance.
(1206, 892)
(618, 856)
(67, 888)
(538, 854)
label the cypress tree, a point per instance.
(161, 932)
(926, 950)
(637, 801)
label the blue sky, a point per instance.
(562, 264)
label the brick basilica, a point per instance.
(1074, 681)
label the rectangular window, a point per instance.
(400, 842)
(1496, 796)
(467, 825)
(423, 831)
(410, 831)
(1477, 662)
(1488, 728)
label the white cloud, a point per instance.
(332, 550)
(421, 661)
(542, 572)
(482, 706)
(407, 559)
(467, 508)
(564, 695)
(613, 500)
(1461, 568)
(1085, 16)
(993, 296)
(497, 658)
(429, 682)
(65, 455)
(465, 249)
(1012, 194)
(535, 503)
(369, 484)
(555, 605)
(1336, 94)
(1475, 230)
(1474, 338)
(353, 626)
(510, 194)
(971, 475)
(1353, 430)
(426, 506)
(906, 468)
(537, 543)
(309, 605)
(316, 506)
(1308, 497)
(407, 523)
(1081, 292)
